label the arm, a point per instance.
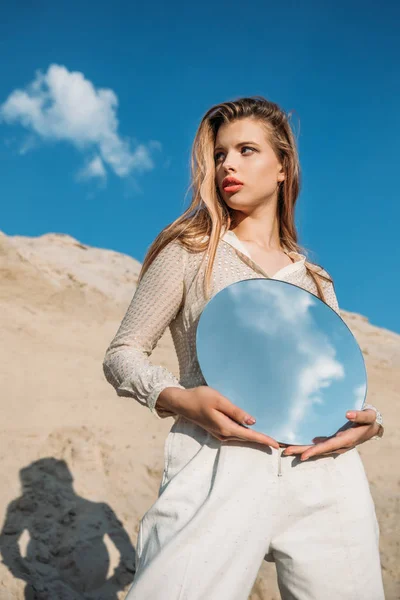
(156, 302)
(125, 570)
(10, 550)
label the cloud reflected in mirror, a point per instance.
(283, 355)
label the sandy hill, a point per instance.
(80, 465)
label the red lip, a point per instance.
(231, 181)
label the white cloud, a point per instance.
(292, 319)
(63, 105)
(94, 168)
(29, 143)
(359, 395)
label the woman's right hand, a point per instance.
(212, 411)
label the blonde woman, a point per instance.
(231, 497)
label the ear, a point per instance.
(281, 175)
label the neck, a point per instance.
(261, 231)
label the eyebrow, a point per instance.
(237, 145)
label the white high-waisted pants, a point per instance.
(224, 507)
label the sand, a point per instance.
(80, 465)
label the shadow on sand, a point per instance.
(66, 557)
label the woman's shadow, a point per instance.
(66, 557)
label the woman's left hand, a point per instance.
(359, 428)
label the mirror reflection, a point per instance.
(284, 356)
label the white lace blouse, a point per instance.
(170, 294)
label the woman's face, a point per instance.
(242, 151)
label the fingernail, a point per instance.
(250, 420)
(350, 415)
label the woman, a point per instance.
(231, 496)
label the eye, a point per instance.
(243, 147)
(250, 147)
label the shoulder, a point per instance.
(318, 269)
(172, 251)
(183, 253)
(326, 283)
(164, 263)
(323, 278)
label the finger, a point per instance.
(366, 416)
(258, 437)
(327, 444)
(299, 449)
(234, 412)
(331, 445)
(233, 438)
(232, 427)
(295, 450)
(250, 436)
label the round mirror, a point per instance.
(284, 356)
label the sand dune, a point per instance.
(80, 465)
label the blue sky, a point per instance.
(147, 72)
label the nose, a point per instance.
(228, 166)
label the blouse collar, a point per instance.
(298, 259)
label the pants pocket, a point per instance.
(351, 475)
(183, 442)
(167, 456)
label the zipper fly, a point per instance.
(279, 461)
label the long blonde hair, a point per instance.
(208, 214)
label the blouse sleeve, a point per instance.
(155, 303)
